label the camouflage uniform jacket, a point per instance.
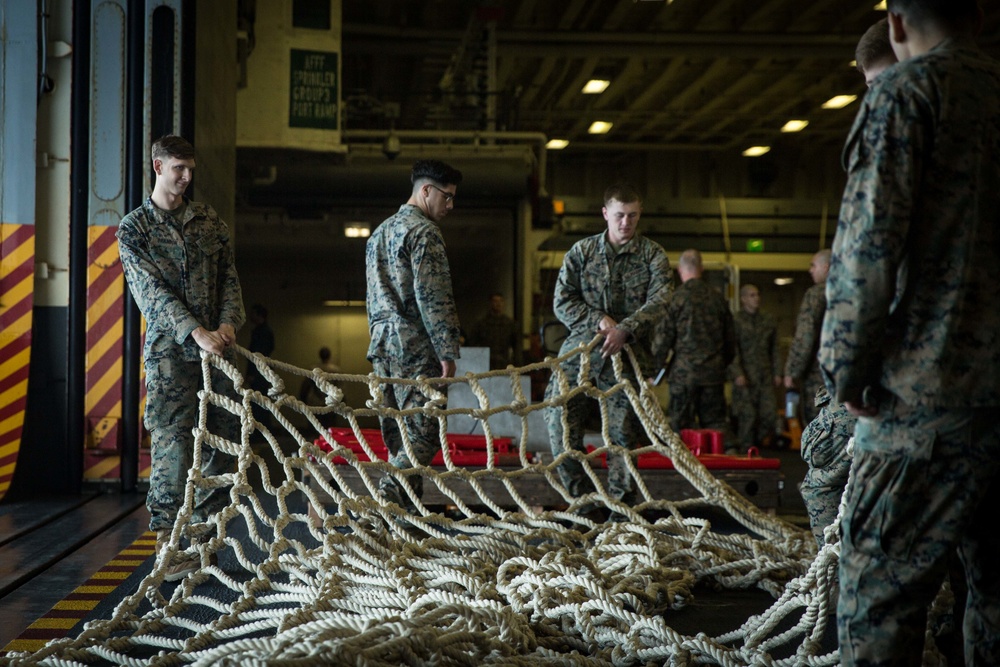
(801, 363)
(825, 438)
(181, 276)
(916, 258)
(699, 329)
(631, 286)
(756, 348)
(411, 310)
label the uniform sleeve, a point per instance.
(642, 322)
(569, 304)
(159, 304)
(800, 354)
(882, 157)
(666, 330)
(728, 335)
(433, 291)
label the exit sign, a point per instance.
(755, 245)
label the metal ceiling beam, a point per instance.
(572, 43)
(678, 101)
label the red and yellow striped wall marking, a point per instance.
(105, 332)
(17, 288)
(105, 289)
(68, 613)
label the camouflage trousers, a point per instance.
(172, 387)
(624, 428)
(423, 431)
(925, 483)
(824, 449)
(756, 413)
(700, 406)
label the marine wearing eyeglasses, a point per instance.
(411, 313)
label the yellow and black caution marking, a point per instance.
(17, 288)
(70, 611)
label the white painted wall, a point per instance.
(52, 166)
(263, 106)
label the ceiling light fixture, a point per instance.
(595, 86)
(839, 101)
(756, 151)
(794, 126)
(881, 7)
(357, 230)
(600, 127)
(557, 144)
(783, 281)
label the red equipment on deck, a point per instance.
(470, 450)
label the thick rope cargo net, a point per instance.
(309, 565)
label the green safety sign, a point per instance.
(313, 99)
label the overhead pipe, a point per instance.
(531, 44)
(539, 138)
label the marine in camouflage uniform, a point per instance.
(411, 314)
(616, 283)
(911, 340)
(181, 272)
(802, 366)
(699, 330)
(755, 371)
(824, 449)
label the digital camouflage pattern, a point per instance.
(754, 406)
(700, 406)
(913, 317)
(802, 363)
(182, 275)
(413, 325)
(699, 329)
(411, 310)
(632, 287)
(172, 387)
(824, 449)
(924, 484)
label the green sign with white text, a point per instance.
(755, 245)
(313, 99)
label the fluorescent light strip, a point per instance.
(839, 101)
(595, 86)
